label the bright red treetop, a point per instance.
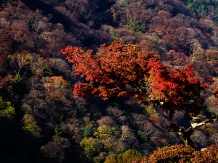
(125, 70)
(117, 69)
(176, 86)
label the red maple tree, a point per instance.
(176, 87)
(125, 70)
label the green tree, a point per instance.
(30, 125)
(57, 130)
(136, 26)
(87, 131)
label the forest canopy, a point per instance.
(108, 81)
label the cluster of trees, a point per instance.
(115, 102)
(204, 8)
(125, 70)
(177, 153)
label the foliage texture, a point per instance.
(126, 70)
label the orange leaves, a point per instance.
(58, 82)
(123, 93)
(215, 92)
(82, 89)
(209, 155)
(70, 49)
(175, 153)
(182, 154)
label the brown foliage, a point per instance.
(177, 58)
(106, 120)
(183, 154)
(177, 153)
(209, 155)
(212, 59)
(53, 151)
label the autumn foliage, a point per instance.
(177, 153)
(176, 86)
(183, 154)
(168, 154)
(119, 68)
(124, 69)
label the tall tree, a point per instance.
(126, 70)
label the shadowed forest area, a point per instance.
(49, 113)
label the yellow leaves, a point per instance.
(29, 124)
(9, 112)
(215, 78)
(151, 112)
(129, 156)
(90, 146)
(88, 143)
(86, 120)
(6, 109)
(104, 131)
(21, 59)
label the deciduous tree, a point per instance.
(124, 69)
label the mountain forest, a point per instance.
(113, 81)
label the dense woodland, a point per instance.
(74, 87)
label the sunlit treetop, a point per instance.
(116, 69)
(125, 70)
